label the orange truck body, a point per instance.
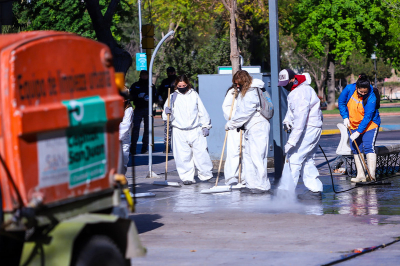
(60, 110)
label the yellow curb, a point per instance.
(330, 131)
(336, 131)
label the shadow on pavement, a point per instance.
(146, 222)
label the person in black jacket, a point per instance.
(139, 94)
(163, 95)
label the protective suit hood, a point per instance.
(300, 80)
(308, 79)
(257, 83)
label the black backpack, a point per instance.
(378, 99)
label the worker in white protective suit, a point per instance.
(125, 132)
(256, 133)
(190, 126)
(231, 167)
(304, 119)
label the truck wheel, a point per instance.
(100, 250)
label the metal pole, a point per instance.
(275, 90)
(151, 99)
(140, 26)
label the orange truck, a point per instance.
(61, 176)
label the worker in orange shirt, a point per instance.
(358, 106)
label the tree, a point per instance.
(357, 64)
(304, 60)
(192, 57)
(341, 27)
(102, 27)
(97, 19)
(392, 42)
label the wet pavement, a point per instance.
(181, 226)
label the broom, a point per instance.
(165, 182)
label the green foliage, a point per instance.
(392, 42)
(68, 15)
(344, 25)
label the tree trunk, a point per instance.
(233, 38)
(331, 82)
(101, 24)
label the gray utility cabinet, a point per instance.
(212, 90)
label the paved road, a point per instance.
(180, 226)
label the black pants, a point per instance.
(138, 115)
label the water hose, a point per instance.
(377, 182)
(357, 252)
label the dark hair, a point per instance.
(182, 78)
(363, 81)
(231, 87)
(243, 78)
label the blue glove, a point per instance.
(206, 132)
(167, 111)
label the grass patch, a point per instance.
(381, 110)
(393, 101)
(328, 112)
(389, 110)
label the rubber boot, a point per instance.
(360, 169)
(371, 161)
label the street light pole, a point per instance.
(373, 57)
(151, 174)
(140, 26)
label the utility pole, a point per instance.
(275, 90)
(140, 26)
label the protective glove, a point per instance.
(240, 128)
(287, 125)
(167, 111)
(288, 146)
(141, 95)
(346, 122)
(206, 132)
(227, 126)
(354, 135)
(146, 98)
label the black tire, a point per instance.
(100, 251)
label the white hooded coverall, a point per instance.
(231, 167)
(256, 137)
(305, 115)
(188, 118)
(125, 131)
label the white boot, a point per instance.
(371, 161)
(360, 169)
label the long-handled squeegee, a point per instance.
(239, 184)
(165, 182)
(216, 188)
